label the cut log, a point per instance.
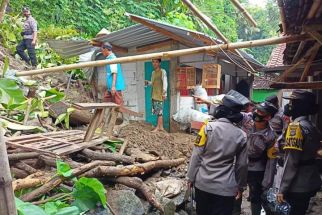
(31, 181)
(108, 156)
(18, 173)
(57, 180)
(138, 184)
(51, 161)
(132, 170)
(123, 147)
(23, 156)
(29, 169)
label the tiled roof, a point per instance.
(276, 58)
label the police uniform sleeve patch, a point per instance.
(201, 137)
(294, 137)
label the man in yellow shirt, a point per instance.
(159, 84)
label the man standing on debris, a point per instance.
(29, 39)
(300, 179)
(115, 80)
(260, 143)
(159, 84)
(217, 179)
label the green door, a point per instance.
(149, 117)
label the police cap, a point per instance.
(267, 108)
(272, 99)
(232, 103)
(303, 95)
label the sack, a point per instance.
(187, 115)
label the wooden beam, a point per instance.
(7, 197)
(314, 66)
(282, 15)
(162, 31)
(153, 46)
(244, 12)
(314, 8)
(310, 60)
(299, 51)
(297, 85)
(169, 54)
(304, 59)
(312, 27)
(316, 35)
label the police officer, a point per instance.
(300, 178)
(29, 39)
(260, 140)
(277, 123)
(218, 180)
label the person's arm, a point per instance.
(241, 165)
(114, 73)
(34, 34)
(165, 84)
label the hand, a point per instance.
(280, 198)
(199, 100)
(239, 195)
(33, 42)
(164, 97)
(190, 184)
(113, 91)
(146, 82)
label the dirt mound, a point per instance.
(13, 63)
(166, 145)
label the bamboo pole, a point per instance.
(7, 197)
(297, 85)
(169, 54)
(314, 8)
(205, 19)
(244, 12)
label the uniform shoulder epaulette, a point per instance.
(294, 137)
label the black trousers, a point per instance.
(26, 44)
(299, 202)
(211, 204)
(254, 181)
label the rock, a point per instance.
(99, 211)
(179, 199)
(182, 212)
(170, 187)
(167, 204)
(125, 202)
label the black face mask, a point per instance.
(258, 118)
(287, 110)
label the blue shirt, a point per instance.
(114, 68)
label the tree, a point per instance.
(3, 8)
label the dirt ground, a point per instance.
(166, 145)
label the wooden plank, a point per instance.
(297, 85)
(89, 106)
(309, 61)
(211, 76)
(317, 36)
(112, 122)
(93, 125)
(154, 46)
(84, 145)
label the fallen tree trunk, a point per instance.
(140, 156)
(57, 180)
(29, 169)
(22, 156)
(132, 170)
(138, 184)
(108, 156)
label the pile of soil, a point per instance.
(14, 63)
(166, 145)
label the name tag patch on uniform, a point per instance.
(294, 137)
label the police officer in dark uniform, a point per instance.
(218, 166)
(29, 39)
(300, 179)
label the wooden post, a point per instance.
(3, 7)
(7, 197)
(309, 61)
(169, 54)
(282, 14)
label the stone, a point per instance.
(125, 202)
(170, 187)
(182, 212)
(179, 199)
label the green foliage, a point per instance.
(88, 192)
(26, 208)
(55, 94)
(63, 169)
(64, 117)
(60, 208)
(10, 93)
(10, 29)
(112, 144)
